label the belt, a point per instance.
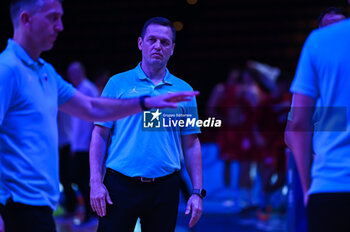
(141, 178)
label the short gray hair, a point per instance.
(17, 6)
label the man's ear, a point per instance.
(25, 18)
(139, 43)
(172, 50)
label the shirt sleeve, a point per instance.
(65, 90)
(7, 90)
(305, 80)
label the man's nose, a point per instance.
(59, 25)
(157, 44)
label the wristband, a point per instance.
(200, 192)
(142, 102)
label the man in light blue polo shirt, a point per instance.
(322, 76)
(31, 92)
(141, 178)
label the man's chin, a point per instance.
(48, 47)
(158, 63)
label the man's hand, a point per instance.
(2, 225)
(98, 197)
(194, 205)
(169, 100)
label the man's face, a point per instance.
(331, 18)
(45, 24)
(157, 45)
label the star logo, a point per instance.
(155, 115)
(151, 119)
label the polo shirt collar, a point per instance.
(23, 55)
(142, 76)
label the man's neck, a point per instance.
(155, 74)
(26, 44)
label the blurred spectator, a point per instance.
(271, 115)
(101, 77)
(222, 95)
(272, 119)
(81, 135)
(234, 103)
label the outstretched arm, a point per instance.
(110, 109)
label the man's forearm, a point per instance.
(98, 149)
(300, 144)
(108, 109)
(298, 135)
(100, 109)
(111, 109)
(193, 161)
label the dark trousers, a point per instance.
(20, 217)
(81, 177)
(155, 203)
(329, 212)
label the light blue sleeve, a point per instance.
(305, 80)
(65, 90)
(7, 90)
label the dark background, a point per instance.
(217, 34)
